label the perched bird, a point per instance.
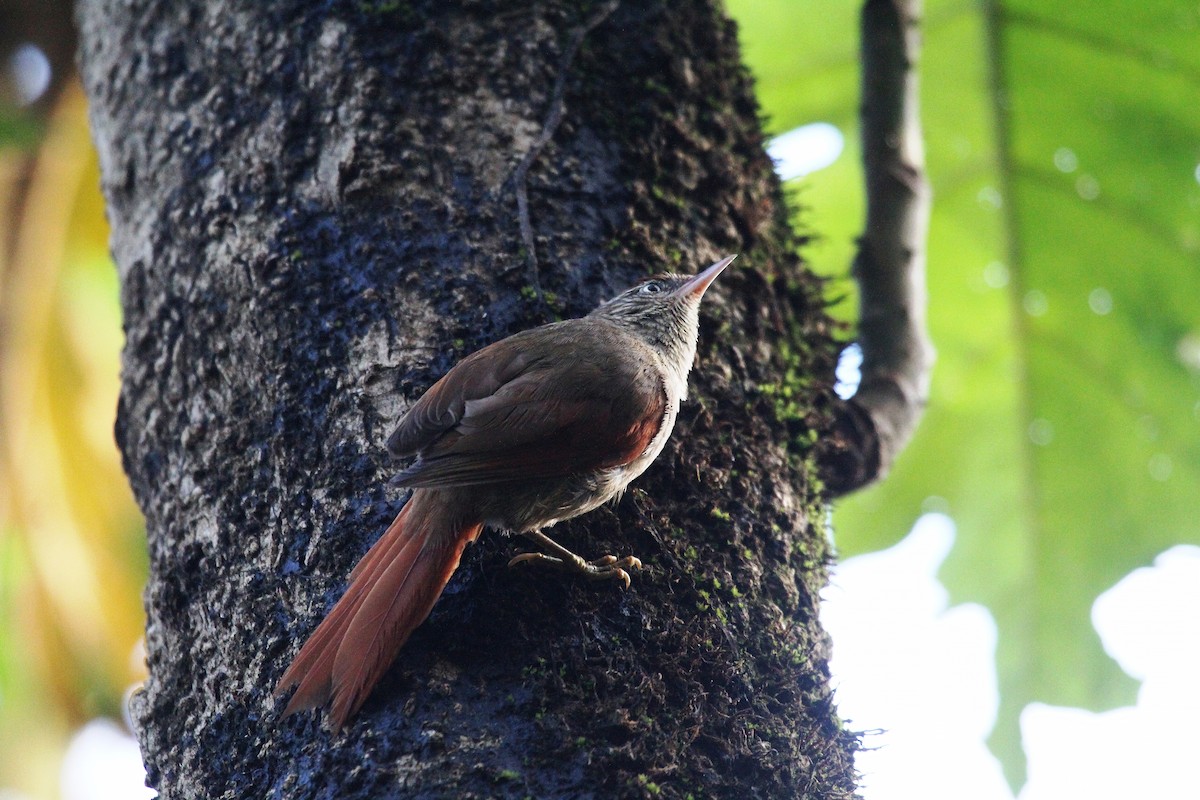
(540, 427)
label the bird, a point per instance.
(545, 425)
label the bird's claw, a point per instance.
(607, 567)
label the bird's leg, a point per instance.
(603, 568)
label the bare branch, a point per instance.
(898, 356)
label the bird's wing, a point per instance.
(545, 420)
(442, 407)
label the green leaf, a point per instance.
(1064, 274)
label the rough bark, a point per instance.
(314, 215)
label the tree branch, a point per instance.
(875, 425)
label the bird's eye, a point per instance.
(653, 287)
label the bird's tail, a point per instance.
(392, 590)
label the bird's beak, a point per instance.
(696, 286)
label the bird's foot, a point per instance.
(607, 567)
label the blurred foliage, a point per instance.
(72, 554)
(1064, 273)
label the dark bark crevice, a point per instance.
(313, 219)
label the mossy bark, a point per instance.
(314, 214)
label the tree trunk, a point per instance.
(316, 210)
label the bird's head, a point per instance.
(664, 311)
(662, 301)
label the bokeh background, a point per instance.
(1060, 456)
(72, 553)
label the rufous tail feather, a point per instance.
(392, 590)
